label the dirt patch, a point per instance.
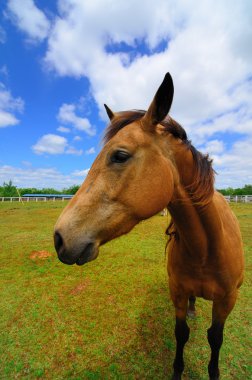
(80, 287)
(40, 255)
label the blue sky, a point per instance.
(60, 61)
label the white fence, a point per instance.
(229, 198)
(33, 199)
(239, 198)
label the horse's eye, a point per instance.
(119, 157)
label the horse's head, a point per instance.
(131, 179)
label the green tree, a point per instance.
(8, 190)
(246, 190)
(28, 190)
(71, 190)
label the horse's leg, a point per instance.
(221, 310)
(182, 335)
(191, 312)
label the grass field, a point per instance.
(111, 318)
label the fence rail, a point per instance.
(239, 198)
(229, 198)
(33, 199)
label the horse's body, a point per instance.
(146, 164)
(206, 267)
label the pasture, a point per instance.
(111, 318)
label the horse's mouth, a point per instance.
(89, 252)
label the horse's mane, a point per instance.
(202, 188)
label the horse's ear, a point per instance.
(110, 113)
(161, 104)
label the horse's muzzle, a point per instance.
(79, 255)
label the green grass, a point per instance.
(110, 319)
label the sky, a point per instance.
(60, 61)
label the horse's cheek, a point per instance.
(155, 193)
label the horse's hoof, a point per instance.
(191, 314)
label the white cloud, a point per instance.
(8, 101)
(4, 71)
(77, 138)
(28, 18)
(7, 119)
(37, 177)
(63, 129)
(8, 106)
(54, 144)
(80, 173)
(26, 163)
(214, 147)
(237, 120)
(206, 52)
(67, 115)
(3, 35)
(235, 165)
(72, 150)
(90, 151)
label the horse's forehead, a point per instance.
(132, 134)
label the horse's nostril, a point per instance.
(58, 241)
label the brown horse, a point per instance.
(147, 163)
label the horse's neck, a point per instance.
(197, 227)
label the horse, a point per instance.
(147, 164)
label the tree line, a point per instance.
(246, 190)
(10, 190)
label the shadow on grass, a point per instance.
(151, 354)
